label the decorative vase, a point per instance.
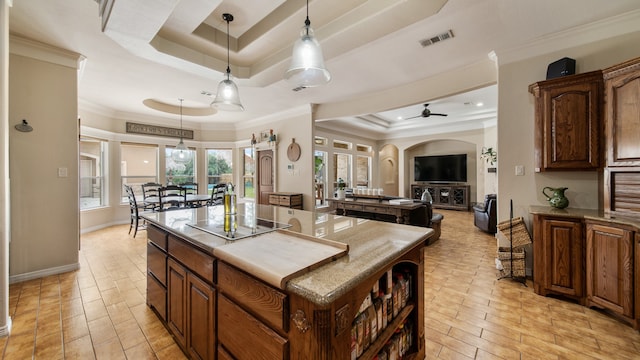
(557, 198)
(340, 194)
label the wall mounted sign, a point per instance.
(154, 130)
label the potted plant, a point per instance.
(340, 193)
(489, 155)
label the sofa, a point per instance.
(485, 215)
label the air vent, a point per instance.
(436, 39)
(299, 88)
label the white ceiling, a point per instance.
(170, 49)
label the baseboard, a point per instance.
(6, 330)
(103, 226)
(43, 273)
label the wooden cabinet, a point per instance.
(622, 124)
(258, 313)
(568, 122)
(191, 301)
(290, 200)
(636, 276)
(453, 197)
(622, 115)
(558, 256)
(157, 270)
(610, 268)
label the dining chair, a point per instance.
(172, 197)
(217, 194)
(136, 222)
(191, 188)
(151, 196)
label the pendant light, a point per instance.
(181, 153)
(227, 97)
(307, 63)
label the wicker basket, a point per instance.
(504, 255)
(519, 231)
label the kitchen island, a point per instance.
(264, 296)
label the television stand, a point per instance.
(445, 196)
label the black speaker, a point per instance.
(562, 67)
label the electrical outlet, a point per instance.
(62, 172)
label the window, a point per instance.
(320, 161)
(138, 165)
(341, 145)
(92, 173)
(363, 171)
(219, 167)
(176, 173)
(247, 176)
(342, 170)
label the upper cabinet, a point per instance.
(568, 123)
(622, 116)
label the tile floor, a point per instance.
(99, 311)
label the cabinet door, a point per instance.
(623, 115)
(610, 268)
(177, 301)
(568, 126)
(200, 311)
(563, 254)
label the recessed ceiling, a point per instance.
(173, 49)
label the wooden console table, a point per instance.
(375, 206)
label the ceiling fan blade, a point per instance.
(438, 114)
(413, 117)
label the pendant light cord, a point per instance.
(181, 100)
(228, 44)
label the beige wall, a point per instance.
(469, 142)
(516, 120)
(44, 206)
(301, 178)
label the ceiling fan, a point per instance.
(426, 113)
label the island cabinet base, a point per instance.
(218, 311)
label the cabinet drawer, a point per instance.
(357, 207)
(245, 336)
(378, 209)
(197, 261)
(157, 262)
(264, 301)
(157, 296)
(284, 200)
(157, 236)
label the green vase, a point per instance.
(557, 198)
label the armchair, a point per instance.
(485, 215)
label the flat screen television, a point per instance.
(441, 168)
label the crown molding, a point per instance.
(22, 46)
(618, 25)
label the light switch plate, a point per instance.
(519, 170)
(62, 172)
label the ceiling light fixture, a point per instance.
(227, 97)
(307, 63)
(181, 153)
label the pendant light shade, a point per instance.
(307, 62)
(227, 97)
(181, 153)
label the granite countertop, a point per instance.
(590, 214)
(372, 244)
